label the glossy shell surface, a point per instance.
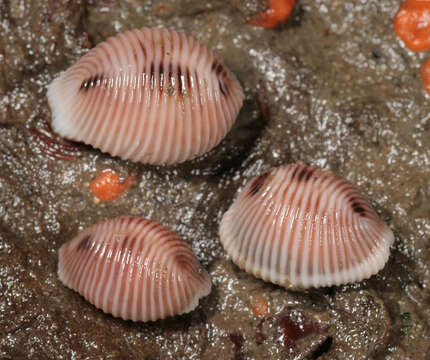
(299, 226)
(149, 95)
(133, 268)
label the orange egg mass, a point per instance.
(278, 11)
(412, 24)
(425, 76)
(108, 186)
(260, 306)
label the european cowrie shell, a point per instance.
(154, 96)
(299, 226)
(133, 268)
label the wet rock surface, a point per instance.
(333, 87)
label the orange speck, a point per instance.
(161, 9)
(278, 11)
(107, 186)
(412, 24)
(425, 76)
(260, 306)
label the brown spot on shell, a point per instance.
(221, 74)
(129, 242)
(183, 82)
(188, 77)
(91, 82)
(84, 243)
(170, 75)
(258, 183)
(295, 172)
(358, 209)
(305, 174)
(161, 72)
(223, 87)
(142, 47)
(217, 67)
(152, 75)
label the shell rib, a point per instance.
(300, 226)
(151, 95)
(133, 268)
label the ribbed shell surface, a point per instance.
(149, 95)
(300, 226)
(133, 268)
